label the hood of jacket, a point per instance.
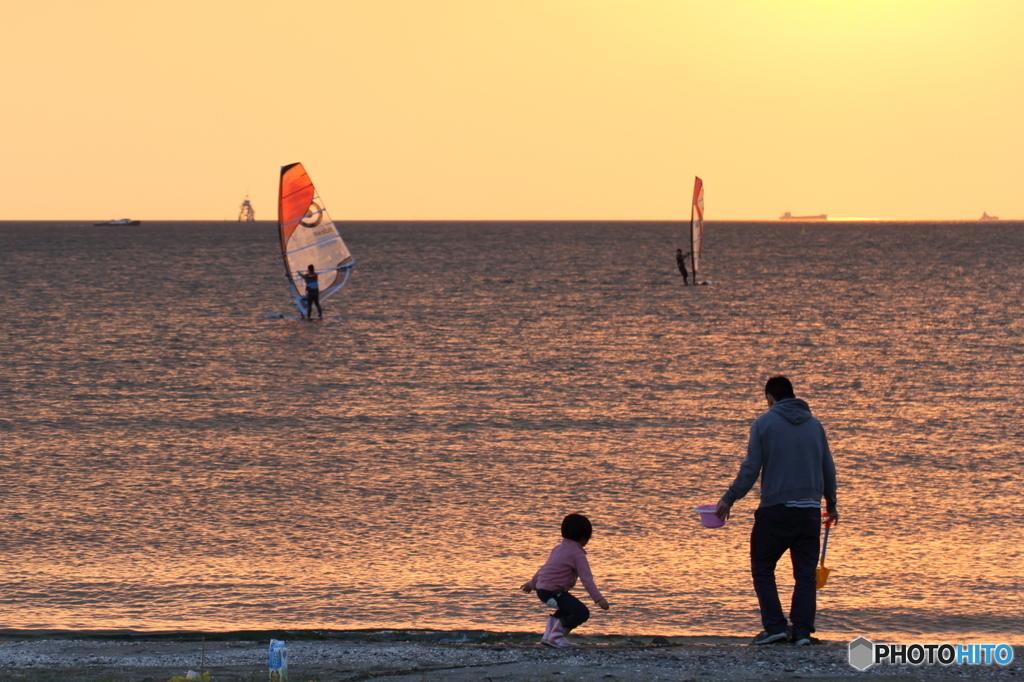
(794, 410)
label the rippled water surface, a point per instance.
(174, 460)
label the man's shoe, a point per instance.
(805, 640)
(770, 637)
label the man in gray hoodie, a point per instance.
(789, 451)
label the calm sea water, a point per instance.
(173, 460)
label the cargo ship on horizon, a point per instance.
(789, 216)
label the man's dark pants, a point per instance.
(777, 529)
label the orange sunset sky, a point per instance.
(513, 109)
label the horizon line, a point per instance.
(843, 219)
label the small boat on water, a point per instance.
(789, 216)
(122, 221)
(986, 216)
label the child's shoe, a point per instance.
(547, 630)
(557, 637)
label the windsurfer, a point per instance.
(681, 262)
(312, 292)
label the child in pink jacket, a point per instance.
(567, 561)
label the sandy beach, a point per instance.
(407, 656)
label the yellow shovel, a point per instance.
(821, 573)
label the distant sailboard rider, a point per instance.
(681, 262)
(312, 292)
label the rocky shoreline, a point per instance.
(407, 656)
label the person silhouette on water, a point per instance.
(312, 292)
(681, 262)
(566, 563)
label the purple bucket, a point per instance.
(706, 512)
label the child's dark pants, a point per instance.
(571, 611)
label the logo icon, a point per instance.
(313, 216)
(862, 653)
